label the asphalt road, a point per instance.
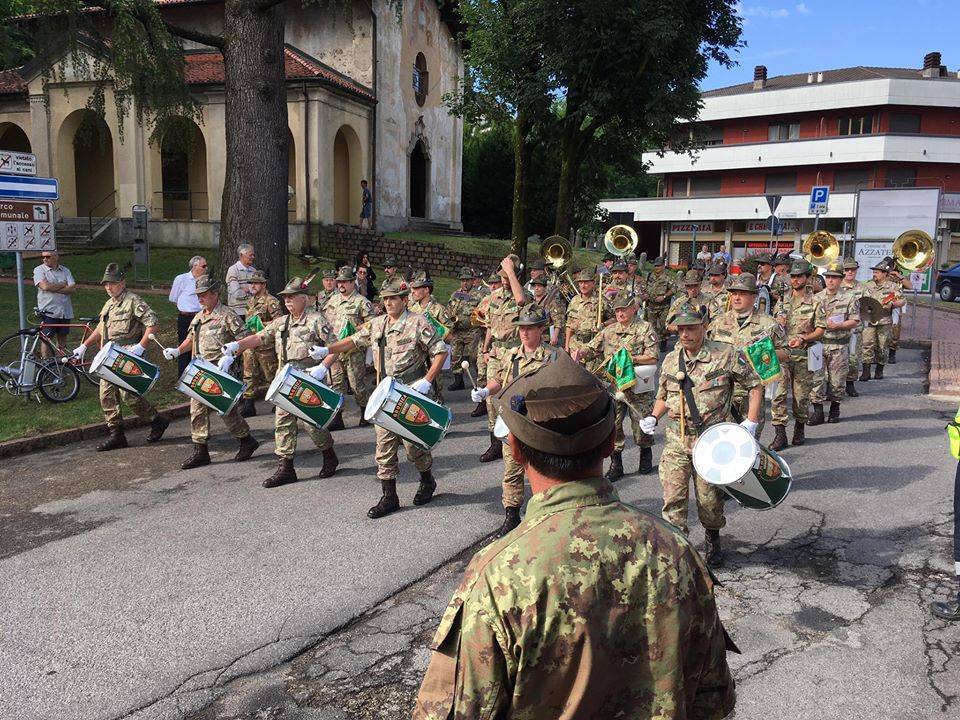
(133, 589)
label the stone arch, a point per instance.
(183, 175)
(419, 173)
(347, 174)
(14, 137)
(86, 165)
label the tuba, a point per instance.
(913, 250)
(620, 240)
(557, 253)
(821, 248)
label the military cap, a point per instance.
(466, 273)
(494, 278)
(585, 275)
(538, 281)
(631, 259)
(609, 256)
(258, 277)
(559, 409)
(781, 259)
(329, 274)
(717, 268)
(421, 280)
(850, 264)
(763, 259)
(532, 314)
(538, 265)
(346, 273)
(394, 287)
(205, 283)
(113, 273)
(690, 314)
(691, 277)
(624, 300)
(391, 261)
(834, 269)
(800, 267)
(658, 261)
(619, 266)
(744, 282)
(882, 265)
(296, 286)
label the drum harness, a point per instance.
(686, 387)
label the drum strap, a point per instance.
(381, 346)
(283, 341)
(686, 386)
(106, 329)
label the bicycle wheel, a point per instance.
(58, 383)
(11, 352)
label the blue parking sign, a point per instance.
(819, 195)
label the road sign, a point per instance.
(819, 195)
(26, 226)
(16, 187)
(775, 225)
(17, 163)
(773, 201)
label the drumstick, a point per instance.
(153, 337)
(466, 366)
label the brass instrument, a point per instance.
(621, 240)
(478, 318)
(821, 248)
(913, 250)
(557, 254)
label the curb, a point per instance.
(22, 446)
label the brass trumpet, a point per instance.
(478, 318)
(913, 250)
(621, 240)
(821, 248)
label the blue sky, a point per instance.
(791, 37)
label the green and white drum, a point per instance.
(729, 457)
(206, 383)
(300, 394)
(122, 368)
(402, 410)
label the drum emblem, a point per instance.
(206, 385)
(305, 396)
(124, 366)
(411, 413)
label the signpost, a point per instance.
(819, 195)
(773, 201)
(18, 187)
(17, 163)
(141, 245)
(26, 226)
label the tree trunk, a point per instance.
(571, 156)
(255, 184)
(522, 152)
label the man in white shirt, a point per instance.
(183, 294)
(55, 285)
(238, 290)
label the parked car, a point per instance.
(948, 283)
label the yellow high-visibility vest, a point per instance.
(953, 433)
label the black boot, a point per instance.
(115, 440)
(712, 551)
(457, 383)
(834, 412)
(616, 467)
(200, 457)
(389, 502)
(852, 389)
(494, 452)
(646, 460)
(330, 463)
(865, 373)
(798, 434)
(363, 420)
(284, 474)
(816, 417)
(480, 410)
(248, 446)
(337, 422)
(157, 427)
(878, 375)
(248, 408)
(779, 437)
(892, 356)
(426, 489)
(510, 521)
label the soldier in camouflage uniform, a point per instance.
(718, 291)
(876, 335)
(711, 371)
(423, 302)
(780, 282)
(851, 285)
(591, 608)
(126, 320)
(297, 338)
(581, 322)
(692, 295)
(328, 278)
(551, 300)
(464, 338)
(494, 283)
(636, 282)
(211, 328)
(804, 323)
(660, 288)
(897, 278)
(642, 343)
(841, 310)
(259, 365)
(618, 281)
(347, 308)
(406, 346)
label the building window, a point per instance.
(783, 131)
(785, 182)
(905, 123)
(901, 177)
(703, 186)
(707, 135)
(851, 179)
(856, 124)
(421, 79)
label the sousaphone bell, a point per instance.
(621, 240)
(821, 248)
(913, 250)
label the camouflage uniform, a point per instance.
(780, 285)
(830, 381)
(260, 363)
(484, 312)
(124, 320)
(356, 309)
(293, 338)
(895, 328)
(210, 332)
(856, 288)
(439, 313)
(582, 320)
(464, 338)
(719, 303)
(402, 350)
(556, 308)
(678, 302)
(801, 315)
(657, 285)
(876, 336)
(502, 315)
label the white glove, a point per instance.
(422, 386)
(79, 352)
(648, 424)
(479, 394)
(319, 372)
(171, 353)
(319, 353)
(231, 348)
(135, 349)
(750, 426)
(225, 362)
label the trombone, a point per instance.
(913, 250)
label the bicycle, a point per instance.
(25, 373)
(87, 327)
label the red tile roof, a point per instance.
(11, 83)
(784, 82)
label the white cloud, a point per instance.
(803, 9)
(761, 11)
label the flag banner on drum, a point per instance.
(206, 383)
(347, 331)
(254, 324)
(620, 370)
(763, 359)
(122, 368)
(441, 329)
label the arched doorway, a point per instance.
(183, 169)
(419, 176)
(12, 137)
(346, 176)
(85, 156)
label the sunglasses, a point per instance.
(47, 257)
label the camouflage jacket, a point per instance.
(881, 292)
(124, 319)
(780, 285)
(719, 302)
(323, 297)
(556, 308)
(354, 308)
(582, 316)
(502, 315)
(638, 337)
(408, 345)
(800, 313)
(678, 302)
(840, 306)
(437, 311)
(212, 330)
(459, 308)
(516, 361)
(589, 609)
(268, 308)
(726, 329)
(293, 337)
(658, 285)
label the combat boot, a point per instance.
(616, 467)
(779, 438)
(283, 475)
(457, 383)
(878, 375)
(798, 436)
(892, 356)
(834, 412)
(852, 389)
(115, 440)
(865, 373)
(248, 446)
(646, 460)
(158, 426)
(330, 463)
(816, 418)
(337, 422)
(200, 457)
(363, 418)
(480, 410)
(248, 408)
(425, 491)
(494, 452)
(712, 551)
(389, 502)
(510, 521)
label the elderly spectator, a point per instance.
(55, 285)
(705, 256)
(184, 295)
(238, 290)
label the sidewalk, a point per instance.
(944, 348)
